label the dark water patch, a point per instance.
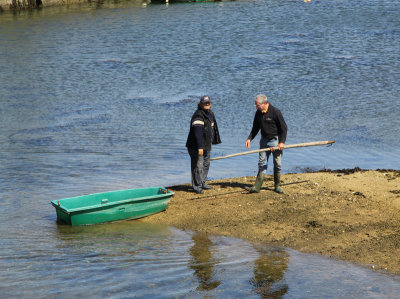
(140, 101)
(392, 33)
(345, 57)
(44, 141)
(293, 35)
(188, 100)
(116, 140)
(25, 134)
(112, 64)
(82, 151)
(357, 135)
(304, 81)
(367, 62)
(22, 96)
(295, 42)
(65, 112)
(13, 88)
(249, 62)
(181, 103)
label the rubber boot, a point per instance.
(257, 185)
(277, 181)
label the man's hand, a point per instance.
(201, 152)
(281, 146)
(248, 143)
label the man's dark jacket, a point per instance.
(203, 130)
(271, 124)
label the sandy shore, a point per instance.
(351, 215)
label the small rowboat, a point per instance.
(112, 206)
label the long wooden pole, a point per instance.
(275, 148)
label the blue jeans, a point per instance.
(264, 156)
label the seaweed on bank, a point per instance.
(396, 172)
(358, 169)
(344, 170)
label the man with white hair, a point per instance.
(273, 128)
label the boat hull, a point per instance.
(112, 206)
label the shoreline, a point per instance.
(32, 5)
(351, 214)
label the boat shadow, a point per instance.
(185, 188)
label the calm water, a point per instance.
(99, 98)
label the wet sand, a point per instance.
(351, 215)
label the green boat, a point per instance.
(112, 206)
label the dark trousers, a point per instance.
(199, 166)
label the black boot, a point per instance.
(277, 181)
(257, 185)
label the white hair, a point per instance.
(261, 98)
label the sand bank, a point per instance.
(352, 215)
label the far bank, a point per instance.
(20, 5)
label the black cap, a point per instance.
(205, 100)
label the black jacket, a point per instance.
(271, 124)
(203, 130)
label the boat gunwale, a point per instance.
(134, 200)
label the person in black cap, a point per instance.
(202, 134)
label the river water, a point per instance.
(98, 97)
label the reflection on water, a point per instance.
(203, 262)
(269, 273)
(133, 259)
